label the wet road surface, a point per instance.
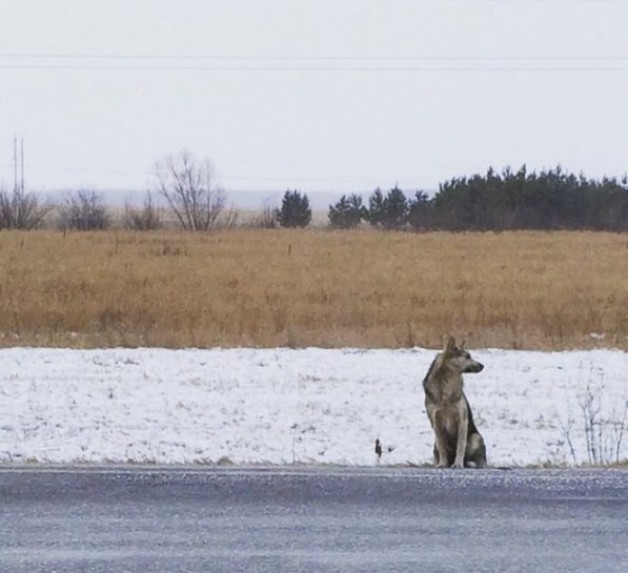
(312, 520)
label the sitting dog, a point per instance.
(458, 442)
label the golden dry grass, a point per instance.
(313, 287)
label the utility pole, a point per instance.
(18, 184)
(22, 160)
(14, 163)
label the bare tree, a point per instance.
(187, 185)
(21, 210)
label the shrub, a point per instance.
(21, 210)
(147, 218)
(84, 211)
(268, 218)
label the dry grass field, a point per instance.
(313, 288)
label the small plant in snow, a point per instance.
(604, 428)
(604, 434)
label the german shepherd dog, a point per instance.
(458, 443)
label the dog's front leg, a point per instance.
(441, 451)
(461, 444)
(440, 427)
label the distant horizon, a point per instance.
(243, 199)
(258, 198)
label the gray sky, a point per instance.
(320, 95)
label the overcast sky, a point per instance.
(319, 95)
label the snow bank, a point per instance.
(282, 406)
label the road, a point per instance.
(312, 520)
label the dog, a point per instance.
(458, 442)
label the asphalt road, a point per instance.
(312, 520)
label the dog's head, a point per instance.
(458, 358)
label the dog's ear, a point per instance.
(463, 346)
(449, 343)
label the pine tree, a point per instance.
(295, 210)
(396, 209)
(347, 213)
(419, 210)
(377, 208)
(390, 212)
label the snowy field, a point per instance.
(310, 406)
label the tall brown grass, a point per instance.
(314, 287)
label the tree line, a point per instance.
(549, 200)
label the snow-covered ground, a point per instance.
(282, 406)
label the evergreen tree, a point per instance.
(551, 199)
(377, 208)
(295, 210)
(390, 212)
(347, 213)
(396, 209)
(419, 210)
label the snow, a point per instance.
(307, 406)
